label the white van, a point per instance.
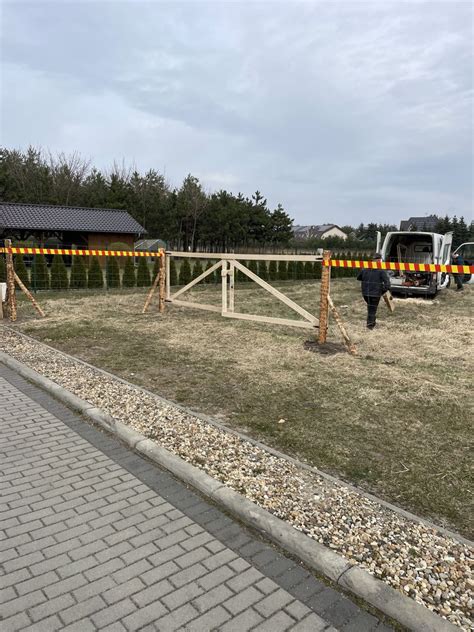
(416, 247)
(467, 253)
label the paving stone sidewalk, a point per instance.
(94, 537)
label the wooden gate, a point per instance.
(228, 263)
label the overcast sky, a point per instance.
(342, 111)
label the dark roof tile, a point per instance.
(67, 218)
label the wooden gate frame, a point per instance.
(229, 262)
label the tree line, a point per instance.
(188, 217)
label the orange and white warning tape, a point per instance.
(407, 267)
(81, 253)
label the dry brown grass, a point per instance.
(395, 419)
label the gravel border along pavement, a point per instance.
(418, 560)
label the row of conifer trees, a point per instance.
(82, 276)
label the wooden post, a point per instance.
(167, 276)
(11, 297)
(224, 286)
(349, 344)
(163, 281)
(324, 305)
(26, 291)
(231, 286)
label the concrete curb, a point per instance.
(217, 424)
(325, 561)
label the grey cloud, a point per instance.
(343, 112)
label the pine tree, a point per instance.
(112, 272)
(197, 269)
(241, 276)
(282, 270)
(308, 270)
(3, 270)
(173, 273)
(39, 273)
(59, 280)
(300, 270)
(78, 274)
(185, 273)
(143, 273)
(95, 278)
(21, 270)
(128, 278)
(272, 271)
(263, 270)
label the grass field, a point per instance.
(395, 420)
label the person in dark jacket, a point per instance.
(374, 284)
(459, 278)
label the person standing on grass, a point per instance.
(374, 284)
(458, 261)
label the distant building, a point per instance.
(427, 223)
(150, 245)
(66, 226)
(322, 231)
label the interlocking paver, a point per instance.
(88, 545)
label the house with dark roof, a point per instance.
(321, 231)
(67, 226)
(426, 224)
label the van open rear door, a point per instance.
(445, 251)
(445, 259)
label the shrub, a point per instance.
(156, 269)
(300, 270)
(128, 278)
(59, 280)
(282, 270)
(78, 273)
(21, 270)
(95, 278)
(273, 271)
(143, 273)
(209, 278)
(112, 272)
(317, 269)
(308, 270)
(39, 273)
(252, 266)
(185, 273)
(3, 270)
(263, 270)
(291, 270)
(197, 269)
(241, 277)
(173, 273)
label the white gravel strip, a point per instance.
(431, 568)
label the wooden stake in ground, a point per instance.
(26, 291)
(163, 268)
(389, 302)
(323, 305)
(11, 297)
(348, 342)
(152, 291)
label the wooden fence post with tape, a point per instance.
(163, 280)
(11, 297)
(324, 303)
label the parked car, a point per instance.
(416, 247)
(467, 252)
